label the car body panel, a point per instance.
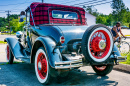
(16, 48)
(53, 53)
(72, 32)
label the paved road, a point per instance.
(126, 31)
(2, 37)
(22, 74)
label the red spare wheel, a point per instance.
(97, 43)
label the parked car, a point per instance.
(57, 39)
(110, 27)
(124, 27)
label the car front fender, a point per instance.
(15, 47)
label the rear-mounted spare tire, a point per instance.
(97, 43)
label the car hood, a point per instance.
(72, 32)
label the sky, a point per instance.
(16, 6)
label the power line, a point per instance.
(101, 3)
(69, 1)
(91, 2)
(97, 4)
(58, 1)
(85, 2)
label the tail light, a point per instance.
(62, 39)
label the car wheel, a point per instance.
(103, 70)
(9, 55)
(42, 67)
(97, 44)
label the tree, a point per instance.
(16, 25)
(92, 10)
(119, 11)
(100, 19)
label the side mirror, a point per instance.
(19, 34)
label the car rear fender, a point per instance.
(48, 44)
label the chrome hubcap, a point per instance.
(39, 65)
(102, 44)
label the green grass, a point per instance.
(2, 42)
(8, 33)
(127, 61)
(127, 35)
(13, 63)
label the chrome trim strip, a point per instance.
(68, 62)
(121, 58)
(69, 66)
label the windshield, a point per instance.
(64, 14)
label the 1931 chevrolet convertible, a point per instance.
(56, 38)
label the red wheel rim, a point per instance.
(100, 68)
(42, 66)
(8, 52)
(97, 50)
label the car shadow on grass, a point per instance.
(26, 73)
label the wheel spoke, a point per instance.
(42, 71)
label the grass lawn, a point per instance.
(2, 42)
(8, 33)
(127, 61)
(127, 35)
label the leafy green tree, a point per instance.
(101, 19)
(92, 10)
(14, 23)
(119, 11)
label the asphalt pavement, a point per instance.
(23, 74)
(2, 37)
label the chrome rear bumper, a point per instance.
(118, 58)
(68, 64)
(121, 58)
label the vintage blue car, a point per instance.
(56, 38)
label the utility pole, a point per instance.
(8, 19)
(42, 1)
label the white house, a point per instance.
(91, 20)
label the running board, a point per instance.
(27, 60)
